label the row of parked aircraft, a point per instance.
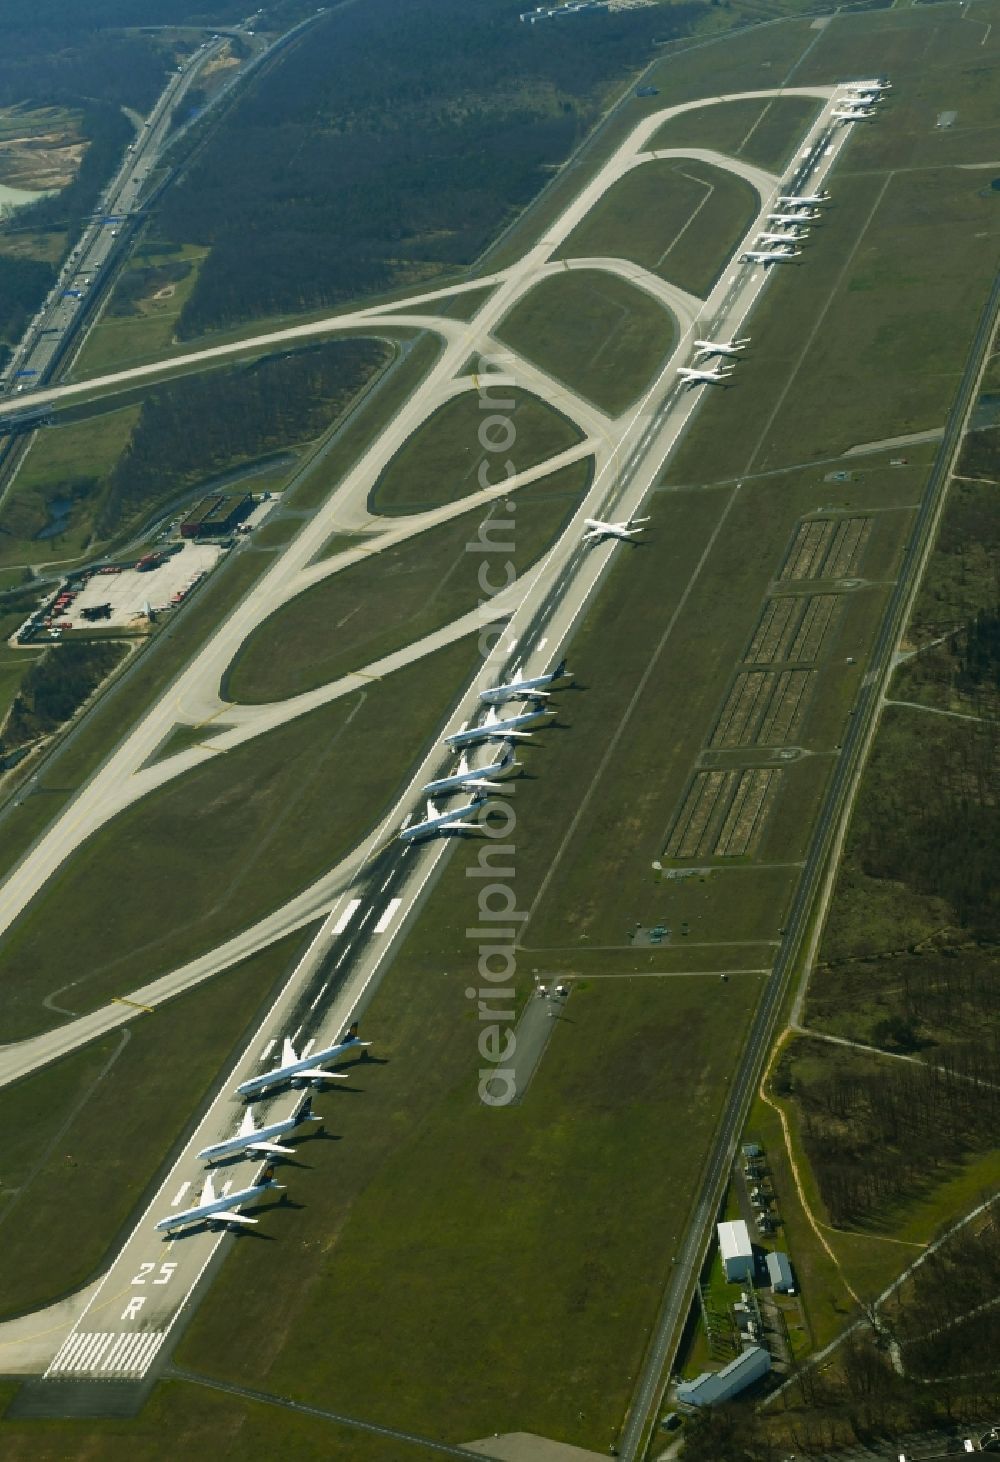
(859, 100)
(294, 1068)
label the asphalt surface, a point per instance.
(123, 1329)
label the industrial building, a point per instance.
(216, 515)
(736, 1250)
(779, 1272)
(713, 1387)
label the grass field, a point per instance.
(865, 340)
(71, 763)
(349, 441)
(234, 839)
(138, 1089)
(543, 1332)
(63, 463)
(442, 460)
(679, 218)
(187, 1414)
(765, 133)
(139, 320)
(596, 333)
(394, 598)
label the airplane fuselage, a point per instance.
(302, 1067)
(440, 823)
(220, 1205)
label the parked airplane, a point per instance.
(597, 529)
(795, 219)
(257, 1140)
(877, 86)
(511, 728)
(691, 376)
(721, 347)
(295, 1068)
(770, 256)
(806, 200)
(846, 116)
(783, 238)
(216, 1208)
(438, 822)
(516, 689)
(475, 777)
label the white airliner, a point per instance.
(441, 822)
(691, 376)
(515, 689)
(596, 529)
(478, 778)
(804, 200)
(493, 729)
(783, 238)
(257, 1140)
(795, 219)
(770, 256)
(295, 1068)
(218, 1209)
(845, 116)
(877, 86)
(721, 347)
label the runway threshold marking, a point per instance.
(352, 908)
(124, 1000)
(387, 916)
(268, 1049)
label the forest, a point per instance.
(197, 426)
(391, 146)
(56, 685)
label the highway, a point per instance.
(87, 264)
(123, 1329)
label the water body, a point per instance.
(14, 198)
(59, 511)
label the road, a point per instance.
(45, 340)
(123, 1328)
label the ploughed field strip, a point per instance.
(723, 813)
(764, 708)
(826, 548)
(791, 628)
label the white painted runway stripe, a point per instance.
(268, 1049)
(180, 1194)
(387, 915)
(352, 908)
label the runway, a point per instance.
(123, 1330)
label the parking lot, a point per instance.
(129, 591)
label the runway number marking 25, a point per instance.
(146, 1269)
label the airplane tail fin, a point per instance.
(561, 667)
(305, 1113)
(351, 1034)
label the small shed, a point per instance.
(779, 1272)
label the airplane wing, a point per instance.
(208, 1194)
(593, 533)
(246, 1127)
(232, 1218)
(288, 1056)
(265, 1149)
(317, 1075)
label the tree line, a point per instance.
(391, 144)
(197, 426)
(55, 686)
